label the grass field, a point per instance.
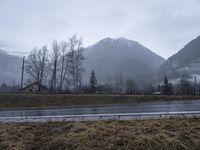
(13, 101)
(168, 134)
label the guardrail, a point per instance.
(98, 117)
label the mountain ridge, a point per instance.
(10, 68)
(185, 62)
(117, 55)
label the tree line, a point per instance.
(59, 67)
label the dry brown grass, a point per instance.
(168, 134)
(69, 100)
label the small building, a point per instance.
(156, 93)
(34, 87)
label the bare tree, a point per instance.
(76, 58)
(130, 86)
(64, 65)
(119, 83)
(54, 61)
(36, 65)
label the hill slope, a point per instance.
(110, 57)
(10, 68)
(185, 62)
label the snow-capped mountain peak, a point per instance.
(120, 40)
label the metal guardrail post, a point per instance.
(25, 116)
(100, 117)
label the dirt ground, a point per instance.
(166, 134)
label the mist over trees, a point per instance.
(60, 68)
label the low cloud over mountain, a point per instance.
(10, 68)
(186, 62)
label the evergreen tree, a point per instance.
(93, 82)
(171, 89)
(159, 88)
(165, 81)
(186, 87)
(167, 88)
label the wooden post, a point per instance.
(22, 76)
(195, 85)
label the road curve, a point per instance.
(151, 109)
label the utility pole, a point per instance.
(22, 76)
(195, 85)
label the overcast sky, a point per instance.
(164, 26)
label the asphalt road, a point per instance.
(150, 107)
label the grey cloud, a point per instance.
(111, 16)
(163, 26)
(4, 44)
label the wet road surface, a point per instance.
(150, 107)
